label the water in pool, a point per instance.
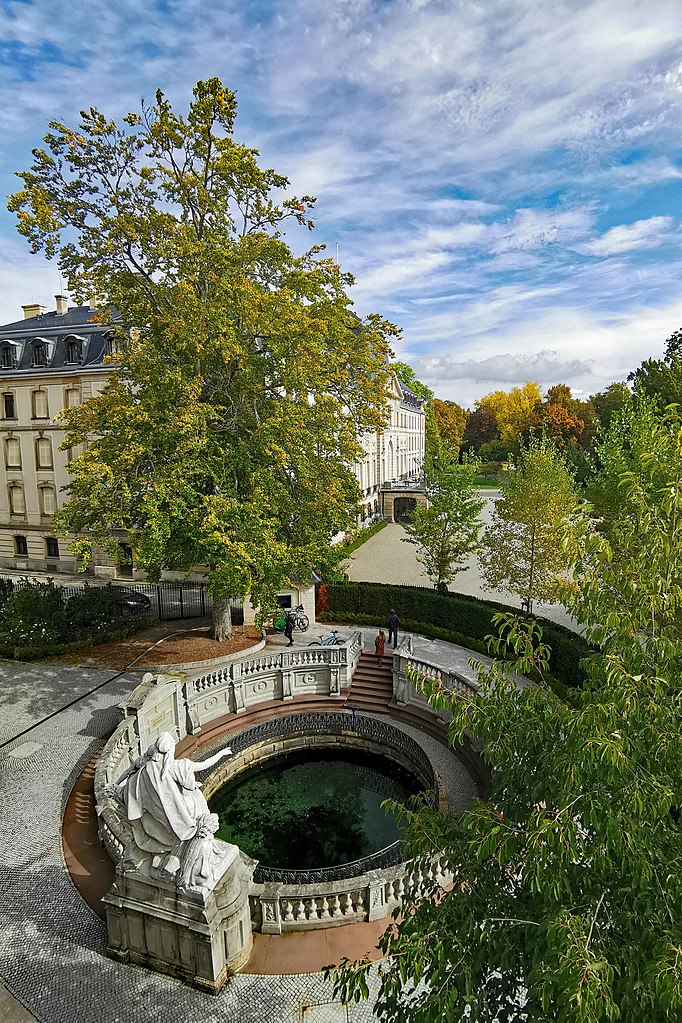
(313, 809)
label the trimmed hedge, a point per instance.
(445, 616)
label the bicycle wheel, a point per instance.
(302, 621)
(315, 642)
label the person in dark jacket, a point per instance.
(289, 629)
(393, 624)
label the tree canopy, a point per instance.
(521, 549)
(241, 381)
(446, 532)
(568, 880)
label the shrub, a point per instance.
(33, 615)
(469, 618)
(92, 610)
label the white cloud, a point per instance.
(642, 234)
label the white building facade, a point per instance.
(395, 454)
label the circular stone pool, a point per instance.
(313, 808)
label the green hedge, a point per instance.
(445, 616)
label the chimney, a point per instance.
(62, 304)
(35, 309)
(93, 304)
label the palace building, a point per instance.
(55, 360)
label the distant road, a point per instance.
(386, 558)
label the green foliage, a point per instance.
(446, 532)
(451, 420)
(453, 617)
(38, 620)
(606, 403)
(33, 615)
(660, 379)
(568, 881)
(242, 383)
(522, 548)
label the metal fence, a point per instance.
(166, 601)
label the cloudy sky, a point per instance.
(502, 177)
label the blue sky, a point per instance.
(502, 177)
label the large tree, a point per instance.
(241, 382)
(521, 548)
(451, 420)
(568, 880)
(447, 532)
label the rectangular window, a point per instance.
(40, 409)
(20, 547)
(48, 500)
(17, 504)
(73, 397)
(44, 453)
(9, 410)
(12, 453)
(51, 547)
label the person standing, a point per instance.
(393, 623)
(379, 644)
(289, 628)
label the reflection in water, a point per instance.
(313, 809)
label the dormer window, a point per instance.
(74, 350)
(40, 353)
(8, 356)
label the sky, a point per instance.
(502, 177)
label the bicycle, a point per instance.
(332, 640)
(298, 616)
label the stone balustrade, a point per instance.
(372, 896)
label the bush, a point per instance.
(444, 616)
(36, 620)
(33, 615)
(92, 610)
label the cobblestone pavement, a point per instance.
(385, 558)
(51, 943)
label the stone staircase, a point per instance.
(371, 689)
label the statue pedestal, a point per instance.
(199, 936)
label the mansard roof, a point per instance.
(55, 331)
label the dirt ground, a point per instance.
(163, 643)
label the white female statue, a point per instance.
(163, 801)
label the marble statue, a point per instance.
(169, 815)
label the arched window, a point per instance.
(12, 453)
(48, 500)
(17, 504)
(44, 453)
(40, 407)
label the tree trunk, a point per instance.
(222, 619)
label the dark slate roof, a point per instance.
(56, 330)
(409, 397)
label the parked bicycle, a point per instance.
(332, 640)
(299, 618)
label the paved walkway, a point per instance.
(387, 558)
(52, 961)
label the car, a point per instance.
(132, 601)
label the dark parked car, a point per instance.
(131, 601)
